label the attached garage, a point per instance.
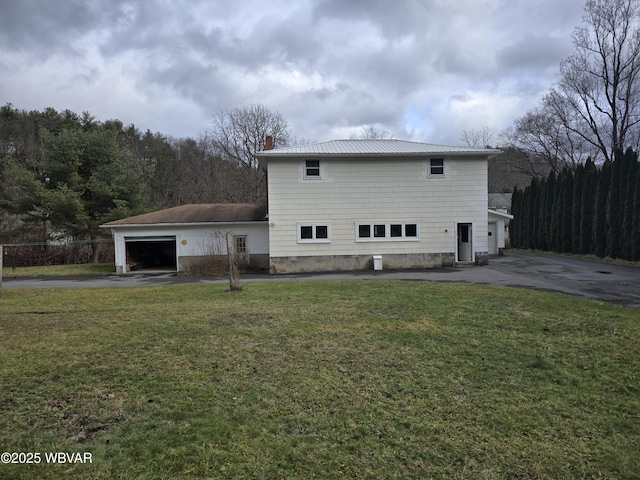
(171, 239)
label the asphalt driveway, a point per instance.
(601, 281)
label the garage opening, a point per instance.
(151, 253)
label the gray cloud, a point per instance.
(422, 70)
(532, 53)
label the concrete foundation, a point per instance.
(337, 263)
(482, 258)
(259, 261)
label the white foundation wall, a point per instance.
(376, 190)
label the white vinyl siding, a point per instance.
(368, 190)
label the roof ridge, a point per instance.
(363, 147)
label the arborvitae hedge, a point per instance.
(592, 210)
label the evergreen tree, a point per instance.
(588, 201)
(514, 225)
(576, 204)
(635, 227)
(532, 214)
(558, 214)
(552, 192)
(525, 226)
(84, 180)
(628, 187)
(600, 211)
(543, 216)
(566, 211)
(614, 231)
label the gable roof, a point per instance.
(387, 148)
(198, 213)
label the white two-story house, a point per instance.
(339, 205)
(363, 204)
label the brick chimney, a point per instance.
(268, 143)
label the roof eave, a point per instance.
(181, 224)
(484, 154)
(500, 214)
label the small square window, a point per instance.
(314, 233)
(396, 229)
(411, 230)
(322, 232)
(306, 232)
(364, 231)
(436, 166)
(379, 231)
(312, 168)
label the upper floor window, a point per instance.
(312, 169)
(436, 167)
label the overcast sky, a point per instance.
(424, 70)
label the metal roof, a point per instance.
(387, 148)
(198, 213)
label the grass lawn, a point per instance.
(353, 379)
(59, 270)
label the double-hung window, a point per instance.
(436, 167)
(314, 233)
(387, 231)
(312, 169)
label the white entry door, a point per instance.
(493, 238)
(465, 242)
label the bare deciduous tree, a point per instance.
(545, 143)
(595, 107)
(478, 138)
(597, 97)
(370, 132)
(237, 135)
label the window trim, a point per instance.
(432, 167)
(387, 231)
(314, 227)
(307, 168)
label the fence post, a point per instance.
(1, 257)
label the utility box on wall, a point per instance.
(377, 262)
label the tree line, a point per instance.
(592, 110)
(581, 194)
(64, 174)
(587, 211)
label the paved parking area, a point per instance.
(611, 283)
(601, 281)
